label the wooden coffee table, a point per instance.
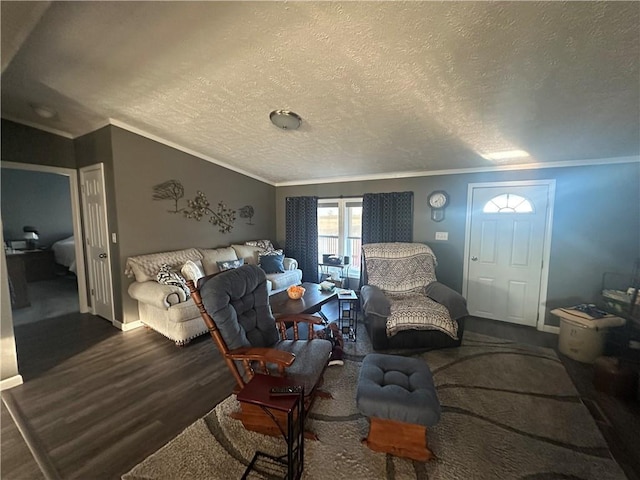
(311, 301)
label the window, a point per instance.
(340, 230)
(508, 203)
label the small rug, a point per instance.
(509, 411)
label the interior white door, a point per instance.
(505, 252)
(94, 213)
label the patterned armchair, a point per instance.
(404, 305)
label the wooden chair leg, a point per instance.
(399, 438)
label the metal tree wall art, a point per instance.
(169, 190)
(247, 212)
(222, 217)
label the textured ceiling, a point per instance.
(384, 88)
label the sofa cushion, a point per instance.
(248, 252)
(145, 267)
(280, 281)
(272, 263)
(229, 264)
(211, 257)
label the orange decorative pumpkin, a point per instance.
(295, 292)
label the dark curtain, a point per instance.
(387, 217)
(302, 235)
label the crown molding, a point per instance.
(433, 173)
(155, 138)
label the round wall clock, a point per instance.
(438, 200)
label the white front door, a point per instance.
(94, 213)
(506, 232)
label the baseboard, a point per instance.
(125, 327)
(11, 382)
(551, 329)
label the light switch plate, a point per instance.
(442, 235)
(114, 238)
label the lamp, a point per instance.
(285, 119)
(31, 236)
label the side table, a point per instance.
(287, 412)
(344, 272)
(348, 314)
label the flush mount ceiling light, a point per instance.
(43, 111)
(506, 155)
(285, 119)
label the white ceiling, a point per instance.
(384, 88)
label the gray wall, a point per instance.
(29, 145)
(39, 199)
(596, 225)
(146, 226)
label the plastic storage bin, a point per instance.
(582, 337)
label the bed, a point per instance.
(64, 252)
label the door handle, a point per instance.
(474, 259)
(102, 255)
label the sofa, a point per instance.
(167, 307)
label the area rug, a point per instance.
(509, 411)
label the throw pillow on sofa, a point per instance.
(192, 270)
(264, 244)
(230, 264)
(272, 263)
(167, 276)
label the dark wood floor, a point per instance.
(97, 401)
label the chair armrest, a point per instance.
(295, 320)
(258, 354)
(444, 295)
(290, 263)
(157, 294)
(263, 356)
(374, 301)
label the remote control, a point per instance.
(284, 391)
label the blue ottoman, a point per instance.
(397, 395)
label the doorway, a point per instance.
(77, 249)
(507, 248)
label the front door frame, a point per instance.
(546, 252)
(72, 175)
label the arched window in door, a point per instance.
(508, 203)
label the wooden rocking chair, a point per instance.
(235, 307)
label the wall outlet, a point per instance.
(442, 235)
